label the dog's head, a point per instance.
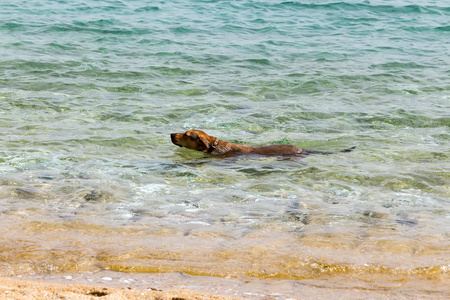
(195, 140)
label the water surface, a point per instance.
(89, 181)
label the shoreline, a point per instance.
(118, 286)
(28, 289)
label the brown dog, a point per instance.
(200, 141)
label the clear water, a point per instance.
(89, 180)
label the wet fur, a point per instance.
(200, 141)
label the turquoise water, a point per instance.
(89, 180)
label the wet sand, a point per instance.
(24, 289)
(181, 286)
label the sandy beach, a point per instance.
(38, 288)
(23, 289)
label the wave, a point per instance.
(443, 28)
(407, 9)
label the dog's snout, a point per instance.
(173, 137)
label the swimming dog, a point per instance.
(200, 141)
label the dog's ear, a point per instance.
(207, 141)
(204, 141)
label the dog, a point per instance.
(200, 141)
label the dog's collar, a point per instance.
(213, 146)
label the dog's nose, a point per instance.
(173, 138)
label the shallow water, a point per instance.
(89, 180)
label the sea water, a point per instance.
(89, 179)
